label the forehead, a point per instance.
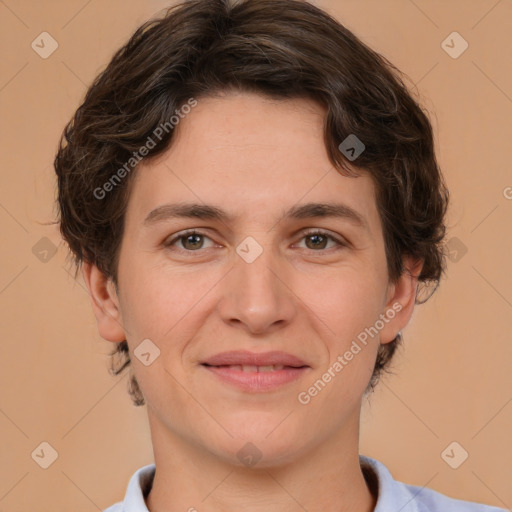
(255, 157)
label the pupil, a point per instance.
(196, 237)
(317, 237)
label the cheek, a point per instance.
(159, 303)
(347, 302)
(347, 306)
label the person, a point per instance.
(253, 197)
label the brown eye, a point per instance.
(318, 241)
(191, 242)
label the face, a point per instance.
(262, 273)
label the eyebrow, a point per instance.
(212, 212)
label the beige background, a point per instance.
(453, 379)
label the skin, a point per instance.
(255, 158)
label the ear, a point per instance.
(105, 303)
(401, 299)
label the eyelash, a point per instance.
(310, 232)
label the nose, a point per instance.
(258, 296)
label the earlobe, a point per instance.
(401, 300)
(105, 303)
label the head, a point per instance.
(246, 106)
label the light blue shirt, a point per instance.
(393, 496)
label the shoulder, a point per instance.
(428, 500)
(394, 495)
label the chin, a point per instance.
(262, 440)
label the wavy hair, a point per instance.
(278, 48)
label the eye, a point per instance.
(318, 239)
(190, 241)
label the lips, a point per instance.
(253, 368)
(261, 360)
(253, 372)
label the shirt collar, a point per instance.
(392, 495)
(138, 488)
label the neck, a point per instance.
(326, 476)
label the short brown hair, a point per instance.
(277, 48)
